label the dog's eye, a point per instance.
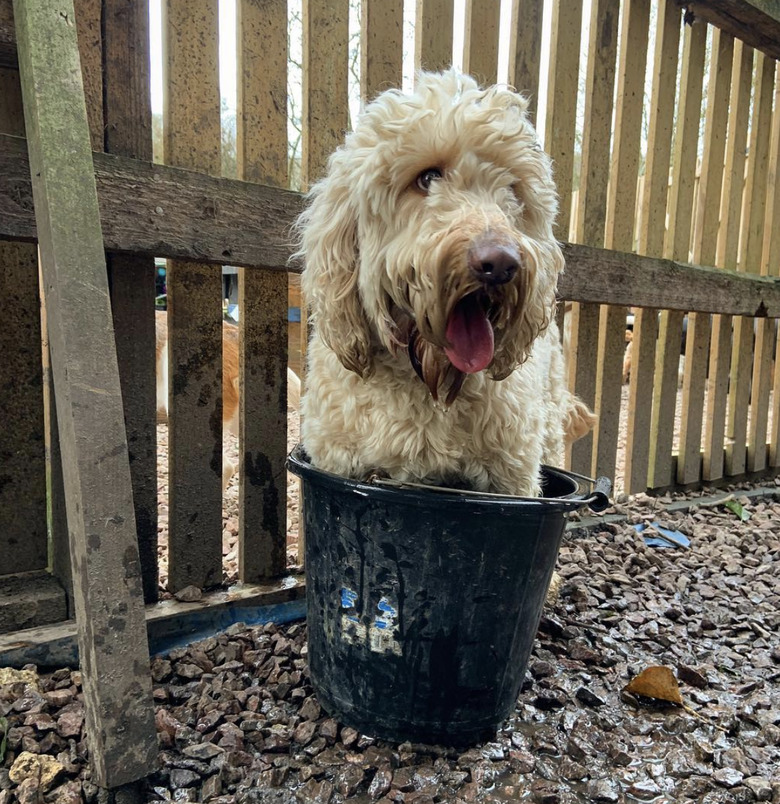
(428, 176)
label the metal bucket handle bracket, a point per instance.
(598, 499)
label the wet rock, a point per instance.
(44, 770)
(603, 790)
(728, 777)
(349, 779)
(588, 697)
(381, 783)
(760, 787)
(314, 792)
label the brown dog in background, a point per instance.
(230, 392)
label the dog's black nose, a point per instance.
(493, 263)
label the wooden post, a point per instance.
(262, 300)
(128, 131)
(619, 234)
(525, 49)
(676, 245)
(23, 537)
(325, 115)
(381, 46)
(726, 257)
(651, 234)
(433, 34)
(193, 141)
(480, 42)
(106, 573)
(592, 209)
(689, 462)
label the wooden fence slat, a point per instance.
(771, 262)
(592, 210)
(262, 301)
(676, 245)
(128, 131)
(433, 29)
(766, 331)
(651, 237)
(525, 49)
(480, 41)
(381, 46)
(704, 250)
(106, 572)
(750, 452)
(193, 140)
(325, 102)
(89, 31)
(619, 232)
(726, 257)
(560, 118)
(23, 536)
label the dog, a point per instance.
(430, 272)
(230, 392)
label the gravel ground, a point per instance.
(238, 721)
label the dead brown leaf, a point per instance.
(657, 682)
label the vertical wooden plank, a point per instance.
(689, 461)
(748, 452)
(726, 257)
(128, 131)
(561, 110)
(619, 235)
(89, 31)
(23, 536)
(592, 207)
(381, 46)
(771, 263)
(676, 246)
(559, 128)
(480, 41)
(191, 111)
(525, 49)
(325, 103)
(433, 34)
(262, 300)
(325, 107)
(107, 582)
(651, 239)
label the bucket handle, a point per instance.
(597, 500)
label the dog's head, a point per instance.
(432, 234)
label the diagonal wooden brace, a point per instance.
(101, 520)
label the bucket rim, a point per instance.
(299, 464)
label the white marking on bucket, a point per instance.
(381, 636)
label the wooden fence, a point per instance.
(626, 169)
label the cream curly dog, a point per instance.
(430, 273)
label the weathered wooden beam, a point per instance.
(168, 624)
(755, 22)
(163, 211)
(616, 277)
(101, 521)
(215, 220)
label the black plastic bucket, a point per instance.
(423, 604)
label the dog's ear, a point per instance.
(330, 250)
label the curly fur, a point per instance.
(385, 265)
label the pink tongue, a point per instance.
(470, 336)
